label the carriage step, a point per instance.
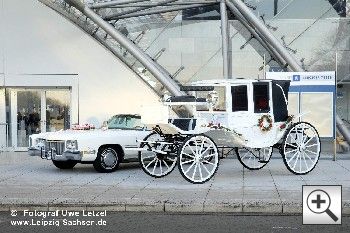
(263, 161)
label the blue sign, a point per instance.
(296, 78)
(318, 83)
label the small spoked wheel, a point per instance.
(159, 158)
(301, 148)
(198, 159)
(254, 159)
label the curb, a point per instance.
(249, 206)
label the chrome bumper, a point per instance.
(67, 155)
(51, 155)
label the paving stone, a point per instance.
(262, 206)
(184, 206)
(108, 207)
(33, 183)
(144, 205)
(223, 205)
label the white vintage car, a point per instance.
(104, 148)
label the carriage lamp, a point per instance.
(283, 126)
(40, 142)
(72, 144)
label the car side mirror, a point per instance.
(105, 124)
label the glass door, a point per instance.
(57, 110)
(3, 123)
(33, 111)
(28, 115)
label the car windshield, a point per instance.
(125, 122)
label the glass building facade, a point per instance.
(314, 31)
(188, 43)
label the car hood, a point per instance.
(82, 134)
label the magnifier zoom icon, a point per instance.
(319, 202)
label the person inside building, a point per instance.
(33, 122)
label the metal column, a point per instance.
(143, 58)
(270, 39)
(255, 34)
(154, 11)
(98, 5)
(135, 10)
(225, 40)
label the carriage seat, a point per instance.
(185, 124)
(186, 98)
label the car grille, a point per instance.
(56, 147)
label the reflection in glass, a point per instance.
(215, 98)
(28, 116)
(57, 110)
(8, 117)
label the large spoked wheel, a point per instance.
(159, 159)
(198, 159)
(254, 159)
(301, 148)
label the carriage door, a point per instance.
(240, 116)
(262, 118)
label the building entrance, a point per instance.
(31, 111)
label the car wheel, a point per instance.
(64, 164)
(108, 159)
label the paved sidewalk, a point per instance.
(32, 183)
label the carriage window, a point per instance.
(217, 98)
(261, 97)
(239, 98)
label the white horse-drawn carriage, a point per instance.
(247, 116)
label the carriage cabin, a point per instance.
(249, 112)
(249, 116)
(244, 96)
(256, 109)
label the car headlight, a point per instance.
(72, 145)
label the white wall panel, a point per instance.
(2, 34)
(3, 126)
(39, 41)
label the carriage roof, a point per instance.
(229, 81)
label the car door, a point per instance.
(132, 138)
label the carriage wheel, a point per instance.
(157, 164)
(198, 159)
(254, 159)
(301, 148)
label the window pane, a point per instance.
(319, 107)
(28, 116)
(239, 98)
(217, 97)
(57, 110)
(261, 98)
